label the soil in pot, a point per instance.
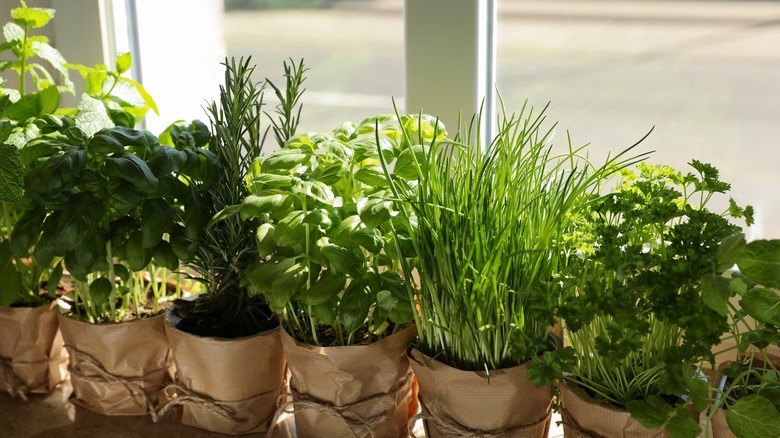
(32, 357)
(117, 368)
(351, 391)
(228, 377)
(458, 403)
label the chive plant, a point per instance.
(488, 231)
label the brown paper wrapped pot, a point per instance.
(119, 368)
(32, 358)
(351, 391)
(460, 403)
(228, 386)
(585, 417)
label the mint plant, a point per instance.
(644, 315)
(751, 393)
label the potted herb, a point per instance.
(747, 392)
(31, 350)
(103, 202)
(329, 264)
(641, 319)
(489, 240)
(217, 334)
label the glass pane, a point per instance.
(354, 49)
(703, 73)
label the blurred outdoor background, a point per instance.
(704, 74)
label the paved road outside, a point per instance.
(705, 74)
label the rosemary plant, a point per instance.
(489, 237)
(228, 245)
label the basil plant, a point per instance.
(108, 203)
(328, 241)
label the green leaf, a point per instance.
(166, 160)
(137, 257)
(715, 293)
(283, 160)
(261, 276)
(327, 311)
(104, 142)
(48, 100)
(288, 281)
(133, 169)
(11, 174)
(405, 166)
(28, 106)
(58, 173)
(13, 32)
(290, 230)
(11, 285)
(123, 62)
(753, 417)
(341, 260)
(315, 190)
(92, 116)
(369, 238)
(699, 392)
(256, 205)
(760, 261)
(374, 211)
(100, 291)
(165, 257)
(5, 130)
(53, 282)
(79, 220)
(371, 176)
(762, 304)
(329, 286)
(123, 196)
(270, 181)
(27, 229)
(264, 237)
(682, 425)
(156, 219)
(32, 17)
(354, 306)
(651, 412)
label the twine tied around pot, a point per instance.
(570, 423)
(185, 396)
(302, 402)
(11, 382)
(82, 363)
(449, 426)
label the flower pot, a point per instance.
(225, 385)
(719, 425)
(32, 359)
(351, 391)
(458, 403)
(586, 417)
(117, 369)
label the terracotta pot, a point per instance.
(226, 385)
(32, 359)
(459, 403)
(351, 391)
(586, 417)
(119, 368)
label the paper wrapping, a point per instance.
(228, 386)
(460, 403)
(118, 368)
(352, 391)
(32, 358)
(585, 417)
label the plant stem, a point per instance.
(23, 61)
(112, 280)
